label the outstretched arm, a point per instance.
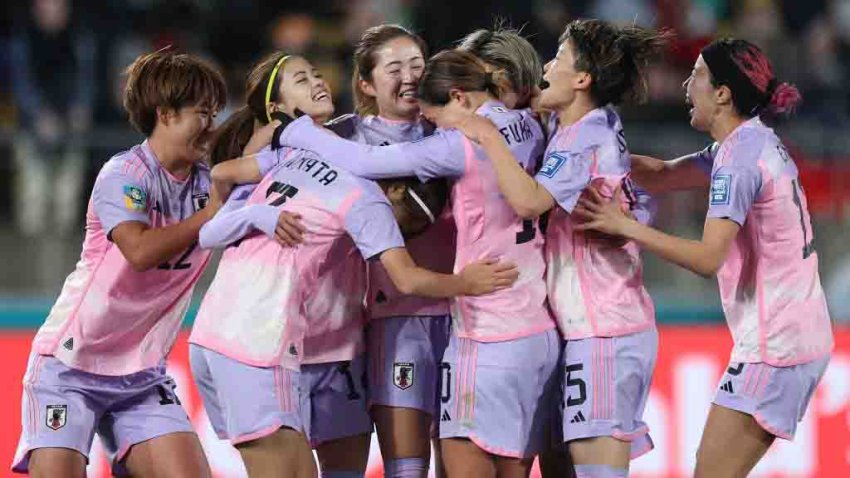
(657, 176)
(477, 278)
(704, 256)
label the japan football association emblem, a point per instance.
(403, 375)
(57, 415)
(200, 201)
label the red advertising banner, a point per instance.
(690, 363)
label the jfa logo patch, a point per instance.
(57, 416)
(134, 198)
(552, 164)
(720, 186)
(403, 375)
(200, 201)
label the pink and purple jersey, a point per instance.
(264, 297)
(593, 291)
(769, 283)
(434, 249)
(486, 224)
(110, 319)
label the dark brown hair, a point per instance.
(615, 57)
(434, 193)
(456, 69)
(232, 136)
(366, 58)
(165, 79)
(746, 70)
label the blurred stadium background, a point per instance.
(60, 119)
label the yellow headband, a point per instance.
(271, 85)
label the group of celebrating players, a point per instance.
(512, 324)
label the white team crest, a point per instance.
(403, 375)
(57, 416)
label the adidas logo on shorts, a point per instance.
(578, 418)
(445, 417)
(727, 387)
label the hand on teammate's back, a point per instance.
(289, 231)
(488, 275)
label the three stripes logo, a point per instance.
(446, 417)
(727, 387)
(578, 418)
(69, 344)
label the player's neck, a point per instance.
(477, 99)
(575, 111)
(723, 126)
(177, 165)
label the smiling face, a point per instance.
(187, 130)
(705, 100)
(398, 69)
(301, 86)
(563, 79)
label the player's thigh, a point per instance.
(52, 462)
(402, 432)
(732, 443)
(284, 453)
(513, 467)
(345, 454)
(601, 451)
(175, 455)
(463, 458)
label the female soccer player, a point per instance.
(407, 335)
(596, 291)
(758, 241)
(97, 363)
(499, 368)
(322, 285)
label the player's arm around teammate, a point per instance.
(758, 241)
(98, 361)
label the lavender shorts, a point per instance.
(63, 408)
(244, 402)
(777, 397)
(604, 387)
(336, 397)
(501, 395)
(404, 360)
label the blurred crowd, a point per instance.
(61, 65)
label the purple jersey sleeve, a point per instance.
(565, 174)
(734, 188)
(438, 155)
(371, 224)
(118, 198)
(235, 220)
(267, 159)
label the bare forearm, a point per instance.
(152, 247)
(523, 193)
(422, 282)
(658, 176)
(693, 255)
